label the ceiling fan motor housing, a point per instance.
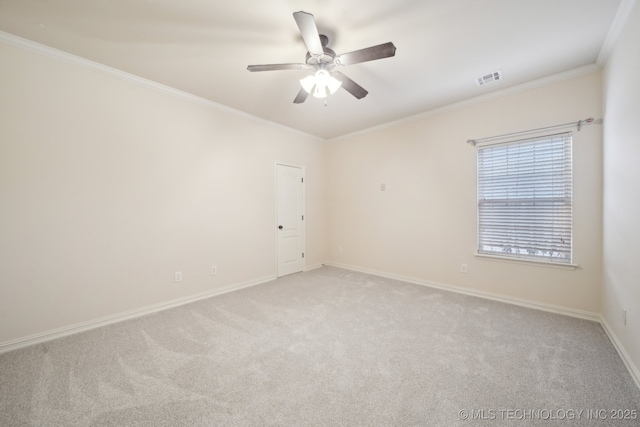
(328, 56)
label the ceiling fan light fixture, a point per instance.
(322, 77)
(320, 92)
(333, 84)
(321, 84)
(308, 83)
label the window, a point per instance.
(524, 199)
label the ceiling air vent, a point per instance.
(489, 78)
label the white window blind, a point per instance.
(524, 199)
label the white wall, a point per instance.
(424, 225)
(108, 187)
(621, 288)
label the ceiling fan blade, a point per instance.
(309, 31)
(380, 51)
(301, 97)
(274, 67)
(350, 86)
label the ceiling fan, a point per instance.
(324, 81)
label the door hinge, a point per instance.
(303, 217)
(302, 179)
(302, 254)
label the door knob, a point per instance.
(280, 227)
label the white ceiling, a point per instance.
(204, 46)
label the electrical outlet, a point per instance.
(383, 187)
(624, 317)
(178, 276)
(463, 268)
(214, 270)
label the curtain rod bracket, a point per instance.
(584, 122)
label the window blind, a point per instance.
(525, 199)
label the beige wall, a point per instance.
(621, 289)
(424, 225)
(108, 187)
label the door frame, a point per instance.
(304, 210)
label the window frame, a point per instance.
(556, 262)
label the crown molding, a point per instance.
(619, 21)
(25, 44)
(544, 81)
(614, 31)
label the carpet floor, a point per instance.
(329, 347)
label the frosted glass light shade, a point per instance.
(321, 84)
(333, 84)
(308, 83)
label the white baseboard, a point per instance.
(313, 267)
(587, 315)
(96, 323)
(92, 324)
(633, 370)
(631, 367)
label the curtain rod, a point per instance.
(578, 124)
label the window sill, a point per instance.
(528, 262)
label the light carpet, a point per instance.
(329, 347)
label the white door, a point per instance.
(290, 219)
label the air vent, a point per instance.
(489, 78)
